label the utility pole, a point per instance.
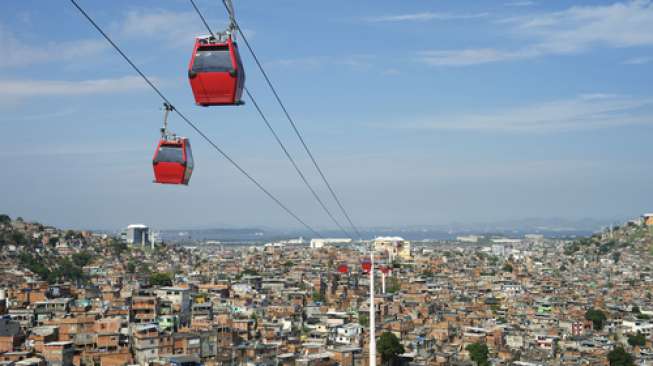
(372, 361)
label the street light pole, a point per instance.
(372, 310)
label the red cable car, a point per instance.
(173, 161)
(173, 158)
(343, 268)
(366, 264)
(385, 269)
(216, 72)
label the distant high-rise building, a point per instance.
(138, 234)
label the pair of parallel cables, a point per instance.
(270, 128)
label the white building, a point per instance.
(137, 234)
(467, 239)
(320, 243)
(506, 241)
(637, 326)
(179, 297)
(347, 334)
(498, 250)
(395, 246)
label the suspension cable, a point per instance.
(274, 133)
(294, 164)
(202, 17)
(292, 122)
(192, 125)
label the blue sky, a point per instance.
(420, 112)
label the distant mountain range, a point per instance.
(550, 227)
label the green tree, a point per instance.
(597, 317)
(635, 309)
(131, 267)
(390, 348)
(363, 319)
(619, 357)
(69, 270)
(5, 219)
(117, 247)
(82, 258)
(637, 340)
(392, 285)
(507, 267)
(249, 272)
(18, 238)
(160, 279)
(317, 296)
(478, 352)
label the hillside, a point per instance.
(42, 252)
(634, 237)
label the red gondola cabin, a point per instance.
(173, 161)
(366, 265)
(343, 268)
(216, 72)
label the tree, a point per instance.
(18, 238)
(317, 296)
(117, 247)
(363, 319)
(616, 256)
(131, 267)
(637, 340)
(389, 347)
(635, 309)
(69, 270)
(478, 352)
(5, 219)
(82, 258)
(619, 357)
(507, 267)
(392, 285)
(249, 272)
(597, 317)
(161, 279)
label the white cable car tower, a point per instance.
(372, 361)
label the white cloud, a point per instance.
(471, 56)
(639, 61)
(36, 88)
(318, 62)
(17, 53)
(575, 30)
(586, 111)
(424, 16)
(174, 27)
(520, 3)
